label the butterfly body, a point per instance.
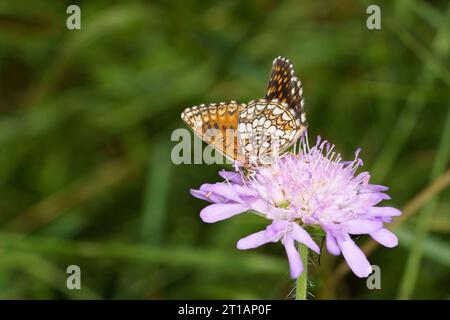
(249, 133)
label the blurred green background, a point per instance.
(85, 123)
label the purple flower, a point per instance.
(229, 198)
(314, 187)
(287, 232)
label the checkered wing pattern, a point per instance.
(265, 125)
(286, 87)
(252, 133)
(216, 124)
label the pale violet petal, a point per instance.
(257, 239)
(300, 235)
(224, 190)
(259, 205)
(385, 238)
(332, 245)
(231, 176)
(362, 226)
(384, 212)
(295, 262)
(243, 191)
(221, 211)
(354, 256)
(209, 191)
(199, 194)
(374, 188)
(204, 194)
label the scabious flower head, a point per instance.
(311, 188)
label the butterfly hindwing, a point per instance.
(265, 125)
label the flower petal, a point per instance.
(384, 211)
(244, 191)
(295, 262)
(258, 205)
(332, 245)
(385, 238)
(355, 258)
(361, 226)
(221, 211)
(224, 190)
(208, 190)
(299, 234)
(374, 188)
(257, 239)
(200, 194)
(231, 176)
(372, 198)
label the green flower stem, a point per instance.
(302, 281)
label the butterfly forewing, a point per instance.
(286, 87)
(217, 124)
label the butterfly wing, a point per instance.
(278, 120)
(217, 124)
(286, 87)
(265, 125)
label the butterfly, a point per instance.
(250, 133)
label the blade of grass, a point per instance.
(431, 15)
(156, 193)
(415, 103)
(388, 91)
(435, 249)
(432, 59)
(44, 271)
(99, 25)
(179, 257)
(105, 176)
(412, 267)
(153, 216)
(439, 224)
